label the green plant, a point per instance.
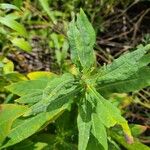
(9, 14)
(85, 87)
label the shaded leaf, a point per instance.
(94, 143)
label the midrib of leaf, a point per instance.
(102, 139)
(115, 70)
(53, 92)
(84, 129)
(74, 92)
(76, 41)
(128, 85)
(115, 117)
(97, 97)
(41, 119)
(115, 83)
(48, 99)
(84, 141)
(126, 62)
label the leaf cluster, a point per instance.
(42, 100)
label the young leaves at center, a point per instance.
(81, 36)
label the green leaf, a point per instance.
(31, 125)
(94, 144)
(137, 81)
(40, 74)
(18, 3)
(9, 113)
(81, 37)
(56, 88)
(137, 145)
(7, 21)
(30, 98)
(44, 93)
(137, 129)
(8, 66)
(22, 44)
(125, 66)
(45, 5)
(84, 124)
(13, 16)
(99, 131)
(8, 6)
(15, 77)
(109, 114)
(28, 87)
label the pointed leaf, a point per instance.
(22, 44)
(56, 88)
(99, 131)
(81, 37)
(125, 66)
(45, 5)
(44, 93)
(135, 82)
(109, 114)
(7, 21)
(8, 6)
(137, 145)
(31, 125)
(84, 125)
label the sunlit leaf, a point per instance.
(137, 81)
(99, 131)
(8, 66)
(136, 145)
(84, 124)
(31, 125)
(8, 113)
(22, 44)
(125, 66)
(8, 6)
(109, 114)
(14, 25)
(81, 37)
(39, 74)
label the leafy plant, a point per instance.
(9, 19)
(85, 86)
